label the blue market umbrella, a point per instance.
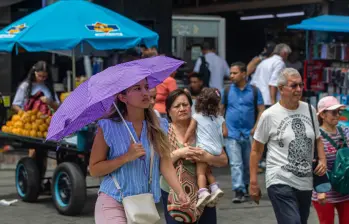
(73, 24)
(69, 23)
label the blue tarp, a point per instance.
(327, 23)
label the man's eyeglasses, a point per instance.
(335, 112)
(295, 85)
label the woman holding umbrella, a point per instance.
(113, 153)
(130, 148)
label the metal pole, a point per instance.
(307, 45)
(73, 68)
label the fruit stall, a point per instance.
(27, 131)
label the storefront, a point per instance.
(190, 32)
(250, 24)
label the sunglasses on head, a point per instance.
(335, 112)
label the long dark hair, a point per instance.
(40, 66)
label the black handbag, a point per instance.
(321, 184)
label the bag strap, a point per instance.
(312, 121)
(330, 140)
(340, 129)
(203, 60)
(173, 142)
(225, 99)
(150, 172)
(255, 101)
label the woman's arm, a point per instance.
(179, 154)
(19, 98)
(216, 161)
(321, 169)
(261, 109)
(199, 155)
(169, 173)
(224, 130)
(100, 166)
(252, 65)
(50, 102)
(16, 108)
(190, 131)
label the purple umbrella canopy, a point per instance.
(94, 98)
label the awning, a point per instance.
(327, 23)
(4, 3)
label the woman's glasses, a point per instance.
(335, 112)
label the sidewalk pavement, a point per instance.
(43, 212)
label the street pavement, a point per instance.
(43, 211)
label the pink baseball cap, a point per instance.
(329, 103)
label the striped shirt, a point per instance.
(133, 176)
(331, 151)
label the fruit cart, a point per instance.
(68, 184)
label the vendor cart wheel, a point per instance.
(27, 179)
(68, 189)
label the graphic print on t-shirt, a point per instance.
(300, 148)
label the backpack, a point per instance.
(205, 72)
(339, 176)
(255, 99)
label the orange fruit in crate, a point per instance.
(20, 113)
(9, 123)
(48, 120)
(45, 134)
(32, 118)
(28, 126)
(15, 131)
(32, 133)
(39, 122)
(16, 117)
(39, 114)
(39, 134)
(35, 127)
(42, 127)
(18, 124)
(26, 117)
(20, 131)
(4, 129)
(26, 132)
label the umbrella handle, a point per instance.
(123, 120)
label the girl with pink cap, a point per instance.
(329, 111)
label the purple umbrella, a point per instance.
(94, 98)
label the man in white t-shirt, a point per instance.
(268, 71)
(287, 130)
